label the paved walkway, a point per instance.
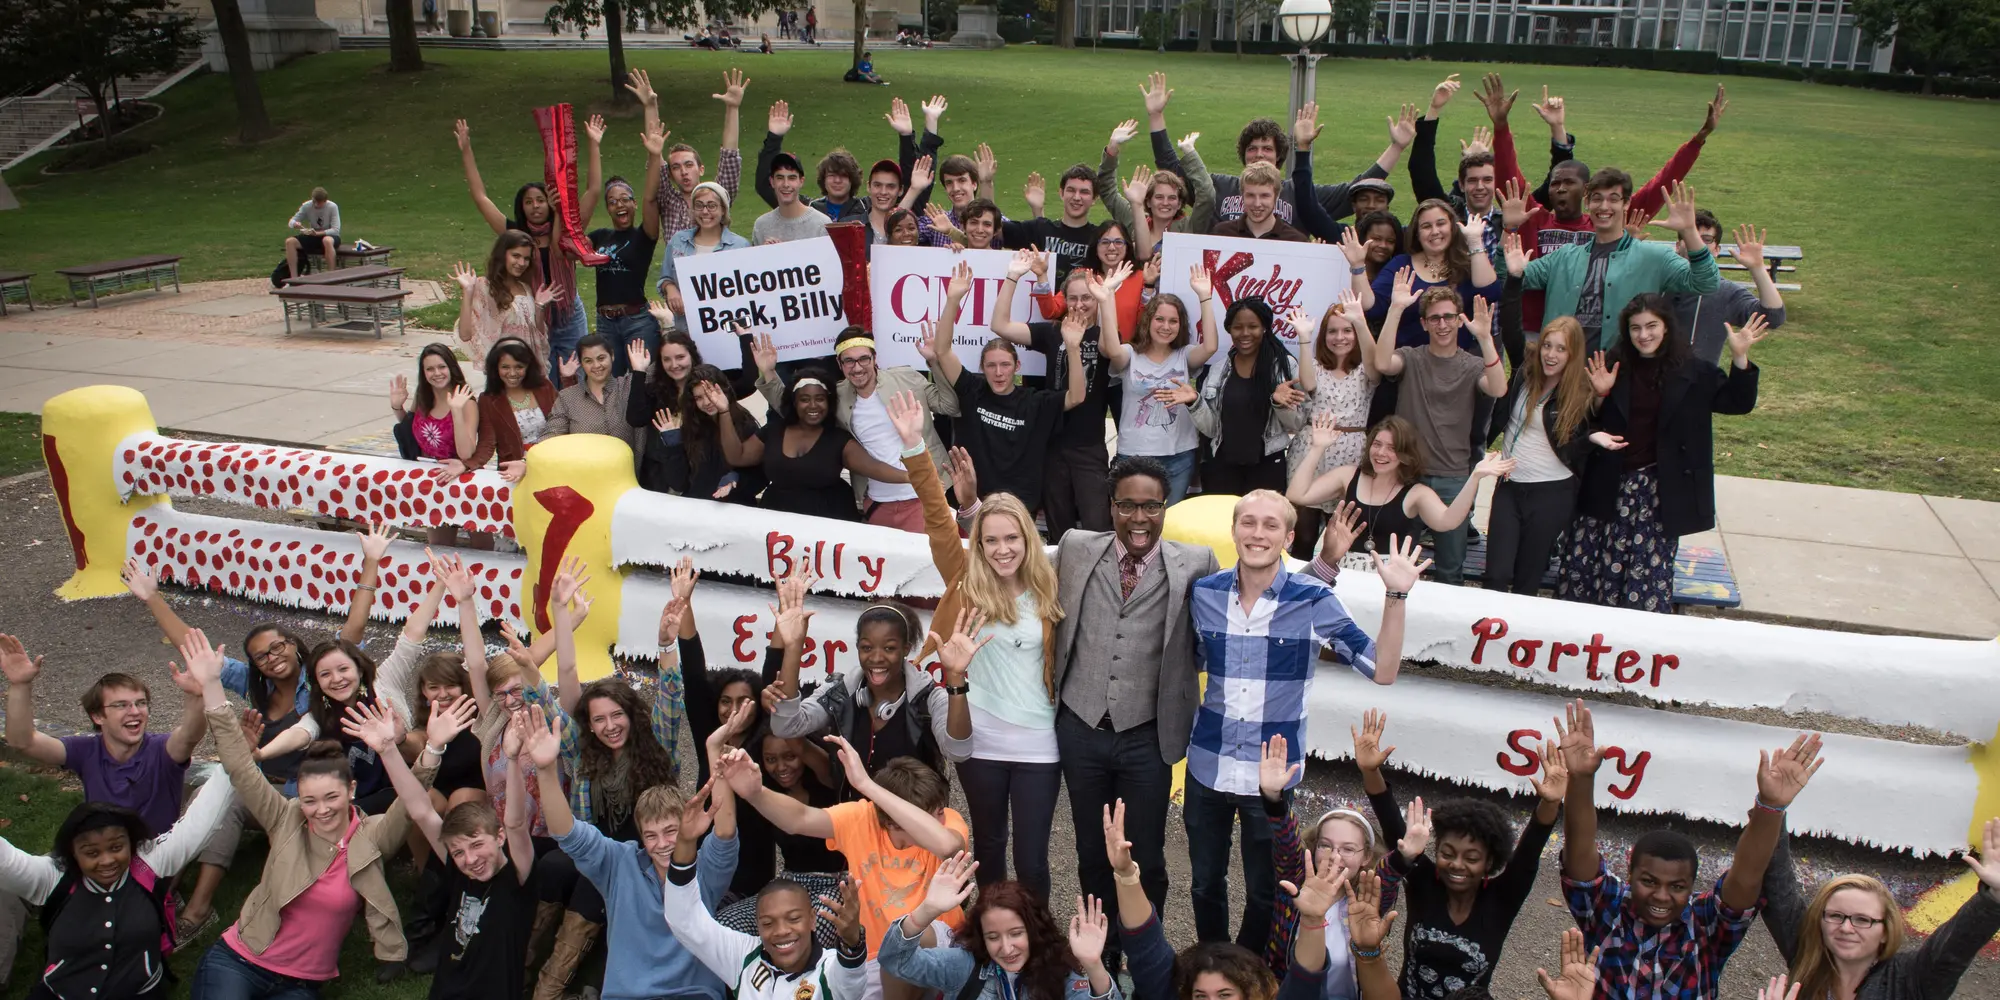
(216, 360)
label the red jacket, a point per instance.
(497, 430)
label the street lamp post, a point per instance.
(477, 31)
(1305, 22)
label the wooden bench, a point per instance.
(118, 275)
(1701, 575)
(354, 303)
(344, 256)
(14, 288)
(374, 275)
(1775, 258)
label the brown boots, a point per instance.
(574, 939)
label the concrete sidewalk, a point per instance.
(216, 361)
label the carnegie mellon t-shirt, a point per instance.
(485, 934)
(1085, 423)
(622, 279)
(1008, 435)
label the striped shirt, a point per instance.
(1260, 666)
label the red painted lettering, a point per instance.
(1522, 652)
(1664, 661)
(1556, 652)
(743, 634)
(1635, 769)
(1487, 629)
(777, 558)
(833, 647)
(1520, 741)
(1626, 671)
(838, 549)
(1596, 648)
(872, 565)
(819, 557)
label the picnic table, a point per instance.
(371, 274)
(1775, 258)
(344, 256)
(117, 275)
(14, 288)
(354, 303)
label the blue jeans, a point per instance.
(1180, 470)
(619, 331)
(1448, 547)
(567, 328)
(1211, 818)
(224, 975)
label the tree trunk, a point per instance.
(105, 125)
(404, 56)
(253, 123)
(1065, 24)
(614, 38)
(860, 30)
(7, 199)
(1204, 27)
(1239, 29)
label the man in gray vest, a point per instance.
(1125, 673)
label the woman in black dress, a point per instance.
(1387, 486)
(802, 453)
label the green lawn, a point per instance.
(20, 443)
(1881, 380)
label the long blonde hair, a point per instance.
(982, 586)
(1812, 967)
(1573, 392)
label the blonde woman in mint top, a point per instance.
(1004, 680)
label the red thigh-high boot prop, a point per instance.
(850, 240)
(559, 169)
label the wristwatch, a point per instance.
(959, 690)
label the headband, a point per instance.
(853, 342)
(802, 383)
(627, 185)
(1367, 830)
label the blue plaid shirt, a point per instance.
(1681, 961)
(1260, 668)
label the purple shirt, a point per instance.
(149, 783)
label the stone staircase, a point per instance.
(31, 123)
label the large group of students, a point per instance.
(818, 857)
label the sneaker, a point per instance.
(186, 931)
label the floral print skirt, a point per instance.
(1623, 563)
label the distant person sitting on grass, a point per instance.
(864, 71)
(316, 229)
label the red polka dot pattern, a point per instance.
(307, 568)
(357, 487)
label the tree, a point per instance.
(253, 123)
(1204, 23)
(617, 17)
(92, 43)
(1351, 18)
(1066, 24)
(1935, 37)
(1248, 12)
(404, 55)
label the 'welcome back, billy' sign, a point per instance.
(789, 290)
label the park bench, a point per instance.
(1118, 36)
(118, 275)
(374, 275)
(344, 256)
(1781, 261)
(1702, 577)
(354, 303)
(14, 288)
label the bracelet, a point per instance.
(1360, 952)
(1304, 926)
(1124, 879)
(959, 690)
(1767, 807)
(1363, 269)
(439, 751)
(1495, 361)
(1396, 595)
(1205, 301)
(916, 449)
(363, 586)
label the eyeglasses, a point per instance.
(1130, 507)
(1113, 242)
(1861, 923)
(861, 362)
(273, 651)
(1343, 852)
(127, 706)
(1442, 318)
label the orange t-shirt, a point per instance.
(891, 882)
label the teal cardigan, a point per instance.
(1636, 267)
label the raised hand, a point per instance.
(641, 87)
(698, 815)
(1341, 532)
(447, 721)
(1155, 92)
(1306, 127)
(899, 117)
(1602, 379)
(1403, 127)
(1316, 894)
(951, 885)
(1741, 337)
(570, 578)
(203, 661)
(569, 365)
(989, 167)
(1578, 739)
(1186, 145)
(1325, 427)
(1442, 93)
(780, 120)
(852, 765)
(1087, 931)
(1112, 279)
(450, 571)
(1515, 256)
(1200, 281)
(733, 84)
(1680, 208)
(1275, 771)
(1481, 141)
(908, 417)
(964, 475)
(1578, 980)
(1494, 97)
(741, 773)
(1549, 108)
(542, 741)
(1401, 568)
(1777, 989)
(1288, 395)
(1035, 192)
(1152, 272)
(955, 654)
(594, 128)
(1749, 246)
(764, 352)
(927, 342)
(1141, 182)
(399, 393)
(1403, 294)
(934, 111)
(844, 912)
(1494, 465)
(1369, 754)
(1475, 234)
(1514, 205)
(664, 421)
(940, 219)
(1117, 849)
(1352, 248)
(1417, 834)
(139, 580)
(251, 725)
(1073, 328)
(546, 295)
(463, 133)
(920, 173)
(466, 277)
(1985, 859)
(1782, 773)
(663, 314)
(373, 723)
(1123, 134)
(1367, 925)
(1716, 107)
(1637, 218)
(462, 399)
(1554, 782)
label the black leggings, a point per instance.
(991, 787)
(562, 883)
(1231, 479)
(1521, 532)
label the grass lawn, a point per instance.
(1880, 380)
(20, 443)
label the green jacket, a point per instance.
(1200, 207)
(1636, 267)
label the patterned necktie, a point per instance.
(1128, 574)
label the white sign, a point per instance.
(907, 286)
(735, 623)
(1287, 275)
(790, 290)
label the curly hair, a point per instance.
(651, 763)
(1485, 823)
(1049, 965)
(1263, 128)
(1231, 961)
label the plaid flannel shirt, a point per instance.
(1681, 961)
(1260, 667)
(662, 690)
(677, 211)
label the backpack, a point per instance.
(159, 890)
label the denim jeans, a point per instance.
(1101, 766)
(224, 975)
(619, 331)
(1210, 817)
(565, 329)
(1448, 547)
(1180, 470)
